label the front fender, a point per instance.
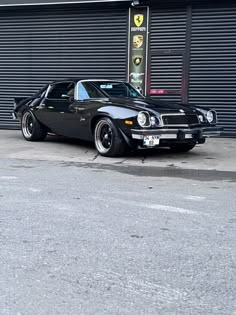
(116, 112)
(118, 115)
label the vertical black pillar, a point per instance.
(138, 47)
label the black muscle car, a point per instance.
(114, 115)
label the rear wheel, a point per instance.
(31, 129)
(182, 147)
(108, 140)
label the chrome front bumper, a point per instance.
(178, 134)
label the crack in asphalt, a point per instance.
(95, 157)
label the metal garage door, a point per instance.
(46, 43)
(167, 44)
(213, 62)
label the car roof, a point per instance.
(84, 80)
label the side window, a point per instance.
(88, 90)
(59, 89)
(92, 90)
(83, 95)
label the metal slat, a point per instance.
(167, 43)
(49, 2)
(38, 46)
(213, 62)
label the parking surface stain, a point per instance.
(172, 172)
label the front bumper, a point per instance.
(179, 134)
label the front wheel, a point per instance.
(31, 129)
(107, 138)
(182, 147)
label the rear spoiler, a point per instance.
(19, 101)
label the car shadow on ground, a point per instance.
(70, 141)
(138, 153)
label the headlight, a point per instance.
(210, 116)
(155, 121)
(143, 119)
(201, 118)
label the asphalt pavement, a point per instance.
(148, 233)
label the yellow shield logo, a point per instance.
(138, 19)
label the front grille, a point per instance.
(180, 120)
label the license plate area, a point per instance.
(151, 141)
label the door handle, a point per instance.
(72, 108)
(75, 108)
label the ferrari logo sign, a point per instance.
(138, 47)
(138, 19)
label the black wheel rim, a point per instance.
(103, 136)
(27, 125)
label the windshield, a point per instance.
(117, 89)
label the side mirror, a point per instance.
(68, 97)
(65, 96)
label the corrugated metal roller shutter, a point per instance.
(40, 45)
(167, 43)
(213, 62)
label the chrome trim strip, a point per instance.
(162, 133)
(174, 114)
(103, 80)
(211, 134)
(188, 136)
(163, 136)
(48, 89)
(171, 131)
(137, 136)
(156, 130)
(166, 136)
(182, 126)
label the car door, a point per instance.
(83, 111)
(88, 101)
(55, 110)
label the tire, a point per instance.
(31, 128)
(182, 147)
(107, 138)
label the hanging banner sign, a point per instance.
(138, 47)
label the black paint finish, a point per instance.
(74, 118)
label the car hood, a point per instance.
(151, 105)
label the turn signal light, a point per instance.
(128, 122)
